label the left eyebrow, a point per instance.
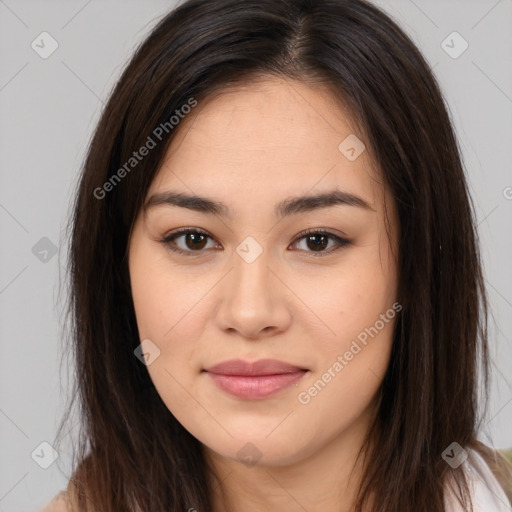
(287, 207)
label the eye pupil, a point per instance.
(320, 245)
(194, 237)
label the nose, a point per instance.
(253, 301)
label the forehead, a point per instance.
(256, 140)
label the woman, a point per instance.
(277, 296)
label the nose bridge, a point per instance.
(251, 298)
(251, 275)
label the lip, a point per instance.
(256, 368)
(254, 380)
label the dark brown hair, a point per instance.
(132, 453)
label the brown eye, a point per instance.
(316, 241)
(193, 241)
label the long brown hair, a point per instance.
(131, 452)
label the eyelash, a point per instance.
(341, 242)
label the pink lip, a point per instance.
(256, 368)
(254, 380)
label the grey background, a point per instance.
(48, 109)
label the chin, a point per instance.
(261, 451)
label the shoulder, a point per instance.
(58, 504)
(487, 495)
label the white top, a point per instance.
(487, 495)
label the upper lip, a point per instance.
(261, 367)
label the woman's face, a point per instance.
(251, 285)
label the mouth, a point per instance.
(259, 368)
(254, 380)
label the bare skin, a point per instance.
(252, 148)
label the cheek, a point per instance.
(349, 299)
(355, 358)
(164, 304)
(168, 315)
(351, 370)
(171, 311)
(162, 297)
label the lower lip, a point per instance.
(254, 387)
